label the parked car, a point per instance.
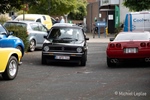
(46, 20)
(65, 43)
(8, 40)
(53, 20)
(9, 62)
(35, 30)
(128, 46)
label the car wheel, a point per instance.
(11, 69)
(109, 63)
(32, 45)
(43, 60)
(83, 60)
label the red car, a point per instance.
(128, 46)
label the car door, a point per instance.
(39, 32)
(43, 32)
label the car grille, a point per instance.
(63, 49)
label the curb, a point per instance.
(102, 38)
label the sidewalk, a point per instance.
(102, 38)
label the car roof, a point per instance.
(66, 25)
(27, 22)
(31, 16)
(135, 35)
(135, 32)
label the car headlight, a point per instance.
(46, 48)
(79, 49)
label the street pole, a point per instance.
(98, 10)
(49, 6)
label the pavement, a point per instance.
(101, 39)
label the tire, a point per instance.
(83, 60)
(32, 45)
(43, 61)
(109, 63)
(11, 69)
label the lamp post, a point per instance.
(99, 15)
(49, 6)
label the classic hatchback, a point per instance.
(128, 46)
(8, 40)
(9, 62)
(35, 31)
(65, 43)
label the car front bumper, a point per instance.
(62, 56)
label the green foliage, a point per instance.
(3, 19)
(118, 29)
(7, 5)
(21, 33)
(137, 5)
(80, 10)
(53, 7)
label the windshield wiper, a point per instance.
(67, 38)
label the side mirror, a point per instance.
(87, 38)
(45, 36)
(111, 39)
(10, 33)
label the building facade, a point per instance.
(110, 11)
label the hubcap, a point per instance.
(12, 67)
(32, 45)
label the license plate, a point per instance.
(130, 50)
(62, 57)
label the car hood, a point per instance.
(76, 43)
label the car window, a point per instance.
(38, 20)
(34, 26)
(44, 17)
(9, 24)
(42, 28)
(60, 33)
(132, 36)
(53, 20)
(2, 29)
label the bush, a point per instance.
(118, 29)
(3, 19)
(21, 33)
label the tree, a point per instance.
(80, 10)
(54, 7)
(7, 5)
(137, 5)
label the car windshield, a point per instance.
(8, 24)
(66, 34)
(2, 30)
(132, 36)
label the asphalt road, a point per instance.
(62, 81)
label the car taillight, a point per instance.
(112, 45)
(148, 44)
(143, 44)
(118, 45)
(27, 32)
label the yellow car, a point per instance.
(44, 19)
(9, 62)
